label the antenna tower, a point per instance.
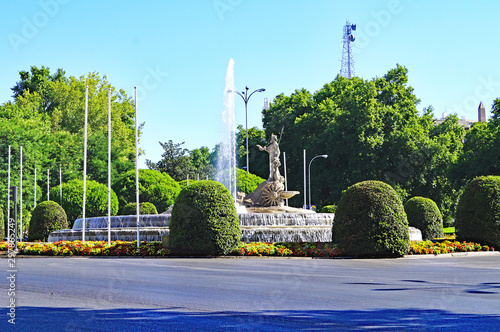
(347, 67)
(266, 104)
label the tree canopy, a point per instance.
(46, 118)
(181, 163)
(371, 130)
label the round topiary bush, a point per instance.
(329, 209)
(204, 220)
(48, 216)
(478, 211)
(247, 183)
(423, 213)
(184, 183)
(154, 186)
(370, 221)
(96, 203)
(144, 208)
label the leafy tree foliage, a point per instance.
(481, 150)
(247, 183)
(180, 163)
(46, 118)
(154, 186)
(370, 129)
(56, 104)
(96, 202)
(259, 161)
(38, 80)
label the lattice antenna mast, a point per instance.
(347, 68)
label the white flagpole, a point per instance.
(305, 204)
(85, 161)
(48, 177)
(8, 197)
(137, 169)
(109, 166)
(286, 179)
(60, 184)
(21, 194)
(34, 199)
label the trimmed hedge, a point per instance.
(184, 183)
(204, 221)
(478, 211)
(144, 208)
(370, 221)
(154, 186)
(328, 209)
(96, 203)
(423, 213)
(247, 183)
(48, 216)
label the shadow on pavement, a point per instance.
(177, 319)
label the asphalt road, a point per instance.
(141, 294)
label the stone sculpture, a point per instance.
(270, 192)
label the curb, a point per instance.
(454, 254)
(421, 256)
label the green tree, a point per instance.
(37, 80)
(481, 150)
(370, 129)
(46, 118)
(62, 101)
(200, 160)
(154, 186)
(180, 163)
(259, 161)
(96, 199)
(175, 161)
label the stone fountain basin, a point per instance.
(289, 194)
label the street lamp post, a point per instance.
(244, 95)
(309, 174)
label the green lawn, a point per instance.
(449, 230)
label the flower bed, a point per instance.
(89, 248)
(445, 247)
(306, 249)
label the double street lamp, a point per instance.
(246, 97)
(309, 174)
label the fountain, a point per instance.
(152, 227)
(226, 162)
(255, 227)
(263, 216)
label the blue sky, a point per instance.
(177, 53)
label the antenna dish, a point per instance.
(353, 37)
(353, 27)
